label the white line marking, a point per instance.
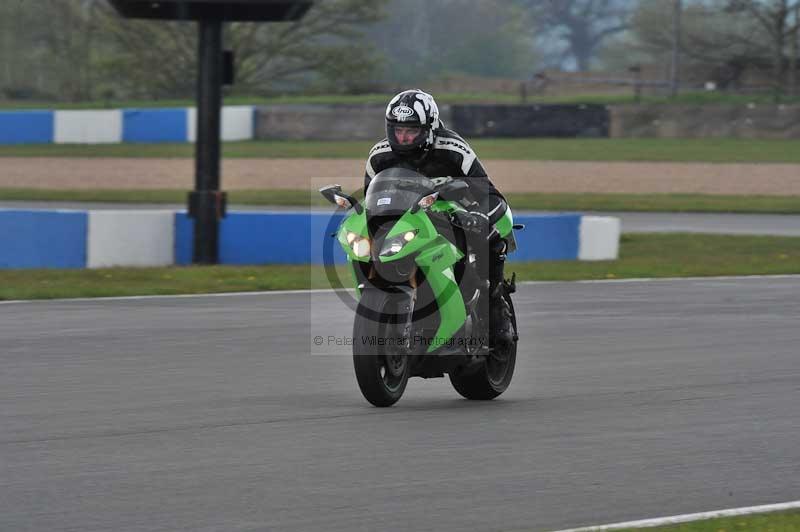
(668, 279)
(175, 296)
(685, 518)
(325, 290)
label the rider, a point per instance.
(417, 139)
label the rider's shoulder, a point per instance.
(380, 157)
(447, 139)
(382, 146)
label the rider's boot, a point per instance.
(500, 325)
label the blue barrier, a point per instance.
(265, 238)
(26, 127)
(547, 237)
(304, 238)
(184, 234)
(154, 125)
(43, 239)
(58, 239)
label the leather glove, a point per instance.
(471, 220)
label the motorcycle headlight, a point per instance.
(393, 246)
(359, 244)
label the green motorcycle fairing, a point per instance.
(436, 257)
(505, 224)
(354, 223)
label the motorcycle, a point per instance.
(423, 294)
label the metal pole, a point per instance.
(795, 62)
(676, 46)
(207, 203)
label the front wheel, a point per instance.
(494, 376)
(381, 365)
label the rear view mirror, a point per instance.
(329, 192)
(334, 194)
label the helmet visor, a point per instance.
(406, 138)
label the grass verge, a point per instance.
(650, 150)
(686, 98)
(519, 201)
(770, 522)
(641, 255)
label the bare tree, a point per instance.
(324, 46)
(47, 47)
(582, 24)
(423, 40)
(775, 19)
(725, 43)
(728, 37)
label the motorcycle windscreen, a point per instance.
(389, 195)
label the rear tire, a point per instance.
(494, 377)
(381, 370)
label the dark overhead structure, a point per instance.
(232, 10)
(207, 203)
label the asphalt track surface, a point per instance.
(631, 400)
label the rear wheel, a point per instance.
(381, 362)
(494, 376)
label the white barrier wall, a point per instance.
(237, 123)
(599, 238)
(87, 127)
(130, 238)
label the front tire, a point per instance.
(494, 376)
(382, 368)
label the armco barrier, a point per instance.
(26, 127)
(78, 239)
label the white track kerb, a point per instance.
(686, 518)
